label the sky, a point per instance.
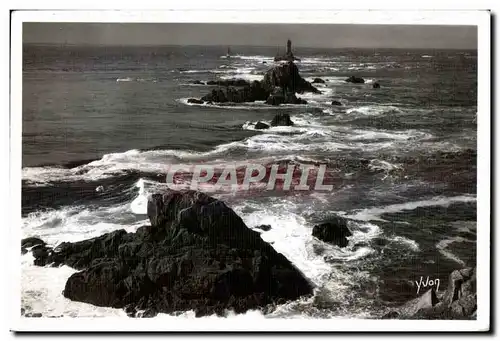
(302, 35)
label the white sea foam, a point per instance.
(41, 292)
(373, 110)
(442, 247)
(126, 79)
(375, 212)
(413, 245)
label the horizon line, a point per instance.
(243, 45)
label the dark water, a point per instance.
(402, 157)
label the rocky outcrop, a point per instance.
(280, 97)
(197, 255)
(229, 82)
(261, 125)
(279, 85)
(318, 80)
(195, 101)
(286, 76)
(354, 79)
(281, 120)
(197, 82)
(263, 227)
(334, 231)
(376, 85)
(336, 103)
(458, 301)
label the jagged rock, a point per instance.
(423, 303)
(263, 227)
(334, 231)
(354, 79)
(376, 85)
(251, 93)
(318, 80)
(197, 255)
(281, 119)
(195, 101)
(261, 125)
(217, 95)
(279, 81)
(336, 103)
(31, 242)
(286, 76)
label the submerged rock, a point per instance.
(334, 231)
(336, 103)
(354, 79)
(261, 125)
(281, 119)
(197, 255)
(376, 85)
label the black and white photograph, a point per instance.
(248, 173)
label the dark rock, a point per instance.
(280, 97)
(197, 255)
(31, 242)
(229, 82)
(286, 76)
(197, 82)
(336, 103)
(33, 315)
(318, 80)
(251, 93)
(263, 227)
(423, 303)
(217, 95)
(261, 125)
(391, 315)
(281, 82)
(333, 231)
(281, 119)
(264, 62)
(354, 79)
(376, 85)
(195, 101)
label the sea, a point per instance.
(101, 124)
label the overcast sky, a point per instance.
(305, 35)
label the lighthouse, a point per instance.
(288, 47)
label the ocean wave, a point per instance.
(373, 110)
(442, 247)
(374, 213)
(409, 243)
(130, 79)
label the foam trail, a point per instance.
(375, 212)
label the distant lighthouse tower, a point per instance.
(289, 47)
